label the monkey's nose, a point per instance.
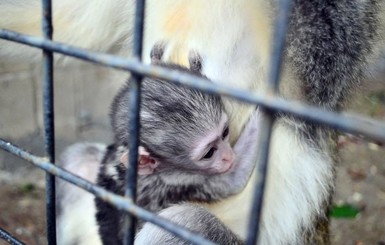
(228, 155)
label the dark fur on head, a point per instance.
(169, 120)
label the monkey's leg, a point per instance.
(192, 217)
(76, 223)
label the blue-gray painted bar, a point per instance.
(134, 126)
(270, 105)
(138, 29)
(9, 238)
(132, 169)
(49, 126)
(267, 122)
(120, 202)
(372, 129)
(278, 45)
(284, 8)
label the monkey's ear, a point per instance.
(124, 159)
(147, 164)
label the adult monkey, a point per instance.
(328, 45)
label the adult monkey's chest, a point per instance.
(232, 39)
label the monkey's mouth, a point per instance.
(229, 168)
(225, 169)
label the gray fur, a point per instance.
(328, 47)
(194, 58)
(188, 216)
(195, 61)
(169, 116)
(157, 51)
(171, 119)
(329, 43)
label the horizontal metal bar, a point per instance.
(352, 124)
(120, 202)
(9, 238)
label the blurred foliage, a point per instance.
(344, 211)
(27, 188)
(377, 102)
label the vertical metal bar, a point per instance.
(134, 105)
(279, 41)
(49, 127)
(281, 25)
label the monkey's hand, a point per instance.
(245, 151)
(193, 218)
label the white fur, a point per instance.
(298, 174)
(81, 23)
(234, 48)
(227, 43)
(233, 38)
(76, 221)
(299, 177)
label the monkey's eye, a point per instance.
(210, 153)
(225, 132)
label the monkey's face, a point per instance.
(212, 153)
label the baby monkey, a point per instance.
(184, 152)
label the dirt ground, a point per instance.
(361, 177)
(360, 183)
(22, 213)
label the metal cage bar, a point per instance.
(134, 129)
(268, 119)
(120, 202)
(49, 124)
(270, 103)
(371, 129)
(9, 238)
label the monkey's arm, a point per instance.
(192, 217)
(245, 159)
(107, 216)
